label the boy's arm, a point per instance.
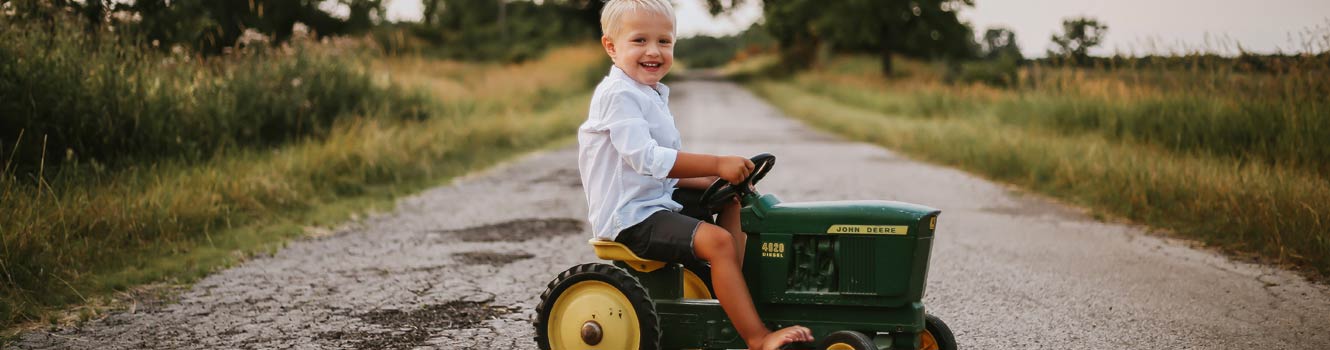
(696, 183)
(631, 137)
(730, 168)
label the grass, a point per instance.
(1228, 158)
(79, 233)
(1277, 119)
(100, 99)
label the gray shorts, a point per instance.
(664, 236)
(668, 236)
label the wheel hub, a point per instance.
(927, 341)
(591, 333)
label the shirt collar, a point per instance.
(660, 89)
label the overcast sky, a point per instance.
(1134, 26)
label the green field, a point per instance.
(130, 166)
(1235, 159)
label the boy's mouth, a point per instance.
(650, 66)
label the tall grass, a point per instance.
(539, 83)
(1277, 118)
(1233, 159)
(99, 98)
(76, 234)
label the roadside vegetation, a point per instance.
(124, 165)
(1207, 147)
(704, 51)
(1214, 144)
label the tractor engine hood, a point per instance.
(872, 217)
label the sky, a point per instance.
(1135, 27)
(1164, 26)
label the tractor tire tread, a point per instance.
(946, 340)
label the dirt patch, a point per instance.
(490, 258)
(411, 329)
(519, 230)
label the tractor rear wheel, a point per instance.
(847, 340)
(936, 335)
(596, 305)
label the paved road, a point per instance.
(462, 266)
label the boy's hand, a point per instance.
(733, 168)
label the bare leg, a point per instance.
(729, 219)
(714, 244)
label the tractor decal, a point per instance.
(773, 250)
(868, 229)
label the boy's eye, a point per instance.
(665, 41)
(640, 40)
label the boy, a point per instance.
(630, 165)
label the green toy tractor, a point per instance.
(851, 271)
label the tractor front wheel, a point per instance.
(936, 335)
(847, 340)
(596, 305)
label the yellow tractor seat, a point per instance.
(610, 250)
(693, 288)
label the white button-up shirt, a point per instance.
(625, 148)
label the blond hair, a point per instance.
(610, 14)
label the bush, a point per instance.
(709, 52)
(1001, 72)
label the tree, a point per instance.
(363, 14)
(505, 30)
(587, 11)
(924, 28)
(790, 22)
(1078, 36)
(429, 9)
(1001, 43)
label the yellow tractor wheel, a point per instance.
(936, 335)
(694, 287)
(847, 340)
(596, 306)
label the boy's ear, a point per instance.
(608, 44)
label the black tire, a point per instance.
(856, 340)
(648, 321)
(941, 333)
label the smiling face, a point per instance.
(643, 46)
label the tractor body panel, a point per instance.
(704, 325)
(860, 253)
(828, 266)
(768, 215)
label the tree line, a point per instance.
(504, 30)
(915, 28)
(205, 26)
(209, 27)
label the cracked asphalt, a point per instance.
(462, 266)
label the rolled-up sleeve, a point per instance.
(631, 136)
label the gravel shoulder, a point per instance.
(462, 266)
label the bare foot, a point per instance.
(792, 334)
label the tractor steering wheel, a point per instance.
(720, 191)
